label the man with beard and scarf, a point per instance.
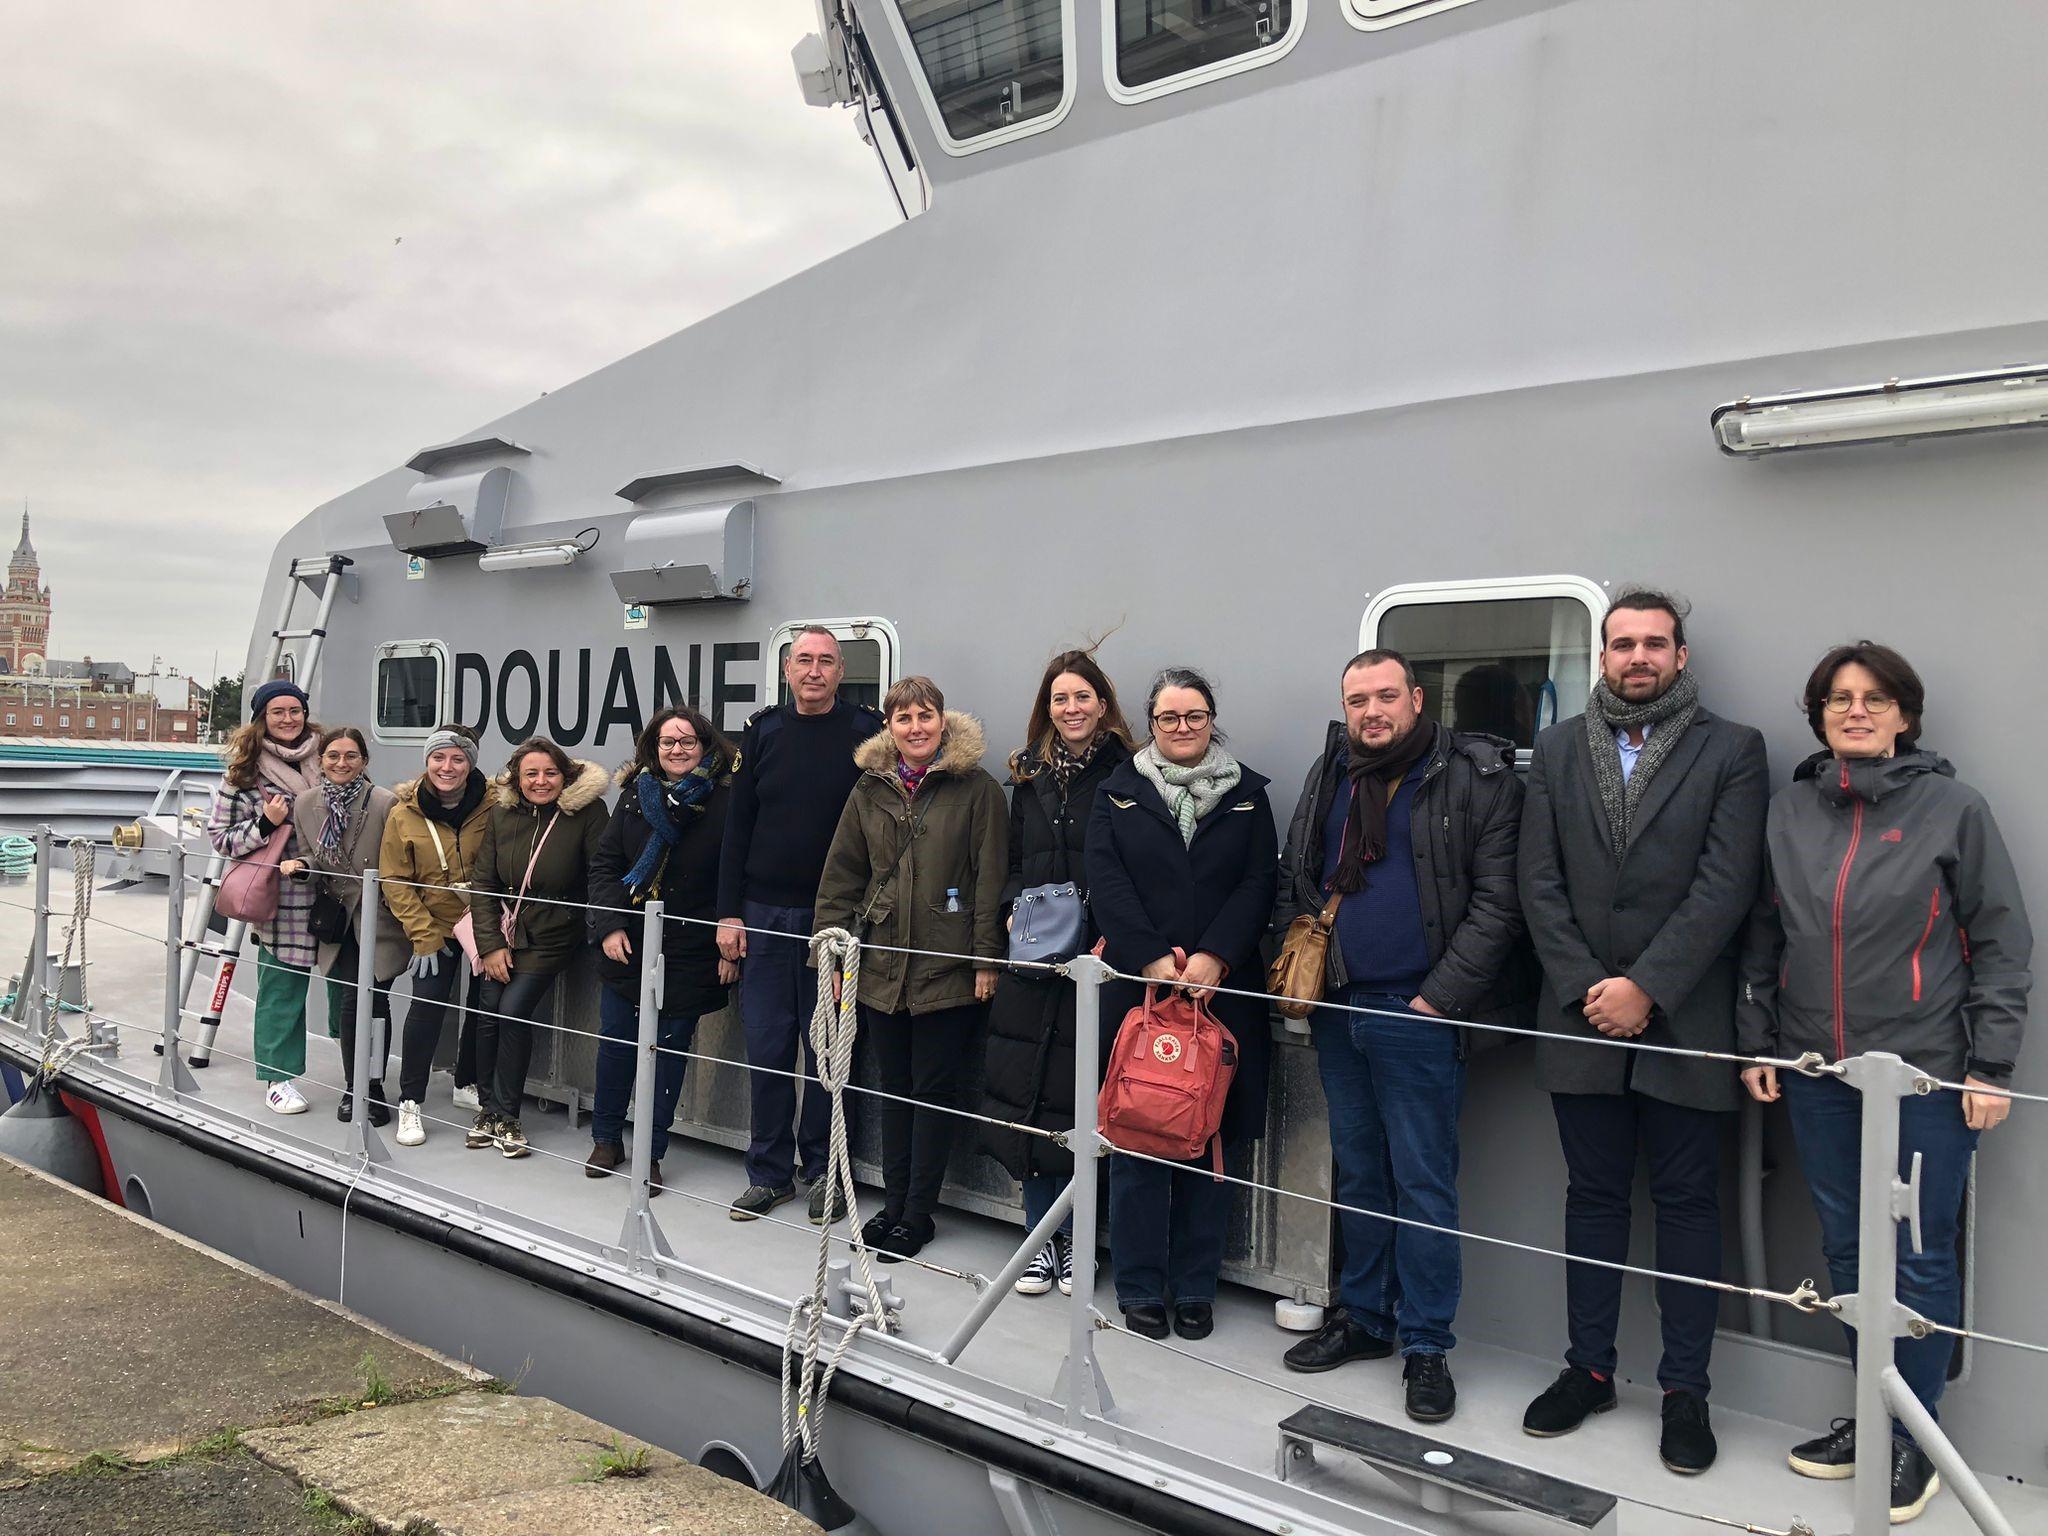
(1413, 828)
(1642, 846)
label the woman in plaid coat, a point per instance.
(270, 762)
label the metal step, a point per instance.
(1443, 1478)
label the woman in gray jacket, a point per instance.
(1891, 920)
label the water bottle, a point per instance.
(952, 898)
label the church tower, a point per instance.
(24, 610)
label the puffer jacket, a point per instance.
(687, 886)
(961, 844)
(1465, 825)
(426, 865)
(552, 922)
(1890, 920)
(339, 871)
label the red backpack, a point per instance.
(1168, 1077)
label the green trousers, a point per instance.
(280, 1018)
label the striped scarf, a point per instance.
(342, 800)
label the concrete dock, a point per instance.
(149, 1385)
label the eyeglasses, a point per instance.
(1193, 720)
(1840, 702)
(676, 743)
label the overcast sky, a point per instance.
(252, 254)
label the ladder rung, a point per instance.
(298, 634)
(318, 565)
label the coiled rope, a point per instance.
(834, 1027)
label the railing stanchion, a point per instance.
(35, 980)
(1085, 1391)
(173, 1077)
(999, 1286)
(363, 1140)
(643, 1238)
(1961, 1480)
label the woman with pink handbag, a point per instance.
(526, 907)
(271, 761)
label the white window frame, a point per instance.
(1378, 15)
(36, 720)
(395, 650)
(844, 630)
(995, 137)
(63, 722)
(1188, 79)
(1492, 589)
(91, 724)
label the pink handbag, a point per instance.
(508, 918)
(248, 891)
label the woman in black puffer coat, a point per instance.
(1076, 738)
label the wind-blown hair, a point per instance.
(1040, 732)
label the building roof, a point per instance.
(24, 552)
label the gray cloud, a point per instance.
(252, 254)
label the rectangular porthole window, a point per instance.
(1156, 46)
(989, 70)
(1505, 658)
(1373, 15)
(867, 646)
(411, 689)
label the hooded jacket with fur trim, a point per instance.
(957, 829)
(545, 934)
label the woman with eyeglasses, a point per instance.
(1182, 872)
(661, 845)
(1891, 920)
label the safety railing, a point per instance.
(1885, 1201)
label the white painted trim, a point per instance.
(1069, 88)
(1258, 58)
(1378, 15)
(865, 628)
(392, 650)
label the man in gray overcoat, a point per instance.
(1642, 845)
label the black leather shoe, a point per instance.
(1432, 1395)
(1194, 1319)
(1830, 1456)
(1687, 1444)
(874, 1232)
(1147, 1318)
(906, 1239)
(1340, 1340)
(654, 1185)
(1566, 1401)
(345, 1111)
(1914, 1481)
(380, 1107)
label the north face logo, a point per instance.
(1893, 836)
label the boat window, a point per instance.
(1506, 658)
(1159, 40)
(1372, 15)
(867, 646)
(411, 689)
(989, 65)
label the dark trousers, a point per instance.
(1165, 1230)
(341, 1007)
(433, 1000)
(1827, 1126)
(778, 989)
(504, 1038)
(925, 1058)
(618, 1020)
(1601, 1133)
(1394, 1086)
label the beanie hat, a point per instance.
(276, 688)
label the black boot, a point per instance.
(380, 1111)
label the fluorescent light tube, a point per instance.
(525, 557)
(1933, 407)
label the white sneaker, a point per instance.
(285, 1099)
(1038, 1274)
(412, 1131)
(465, 1098)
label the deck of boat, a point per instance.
(1161, 1392)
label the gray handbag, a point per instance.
(1049, 924)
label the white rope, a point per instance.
(81, 910)
(834, 1027)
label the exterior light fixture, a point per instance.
(527, 557)
(1942, 406)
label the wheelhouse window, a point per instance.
(1158, 40)
(989, 65)
(867, 646)
(1506, 658)
(410, 689)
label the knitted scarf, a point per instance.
(1374, 776)
(290, 770)
(342, 800)
(667, 805)
(1191, 791)
(1671, 712)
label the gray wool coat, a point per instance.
(1668, 914)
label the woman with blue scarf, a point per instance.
(661, 844)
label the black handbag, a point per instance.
(328, 919)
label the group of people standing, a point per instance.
(1639, 885)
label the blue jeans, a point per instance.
(1040, 1190)
(1827, 1125)
(778, 989)
(1394, 1088)
(618, 1020)
(1165, 1230)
